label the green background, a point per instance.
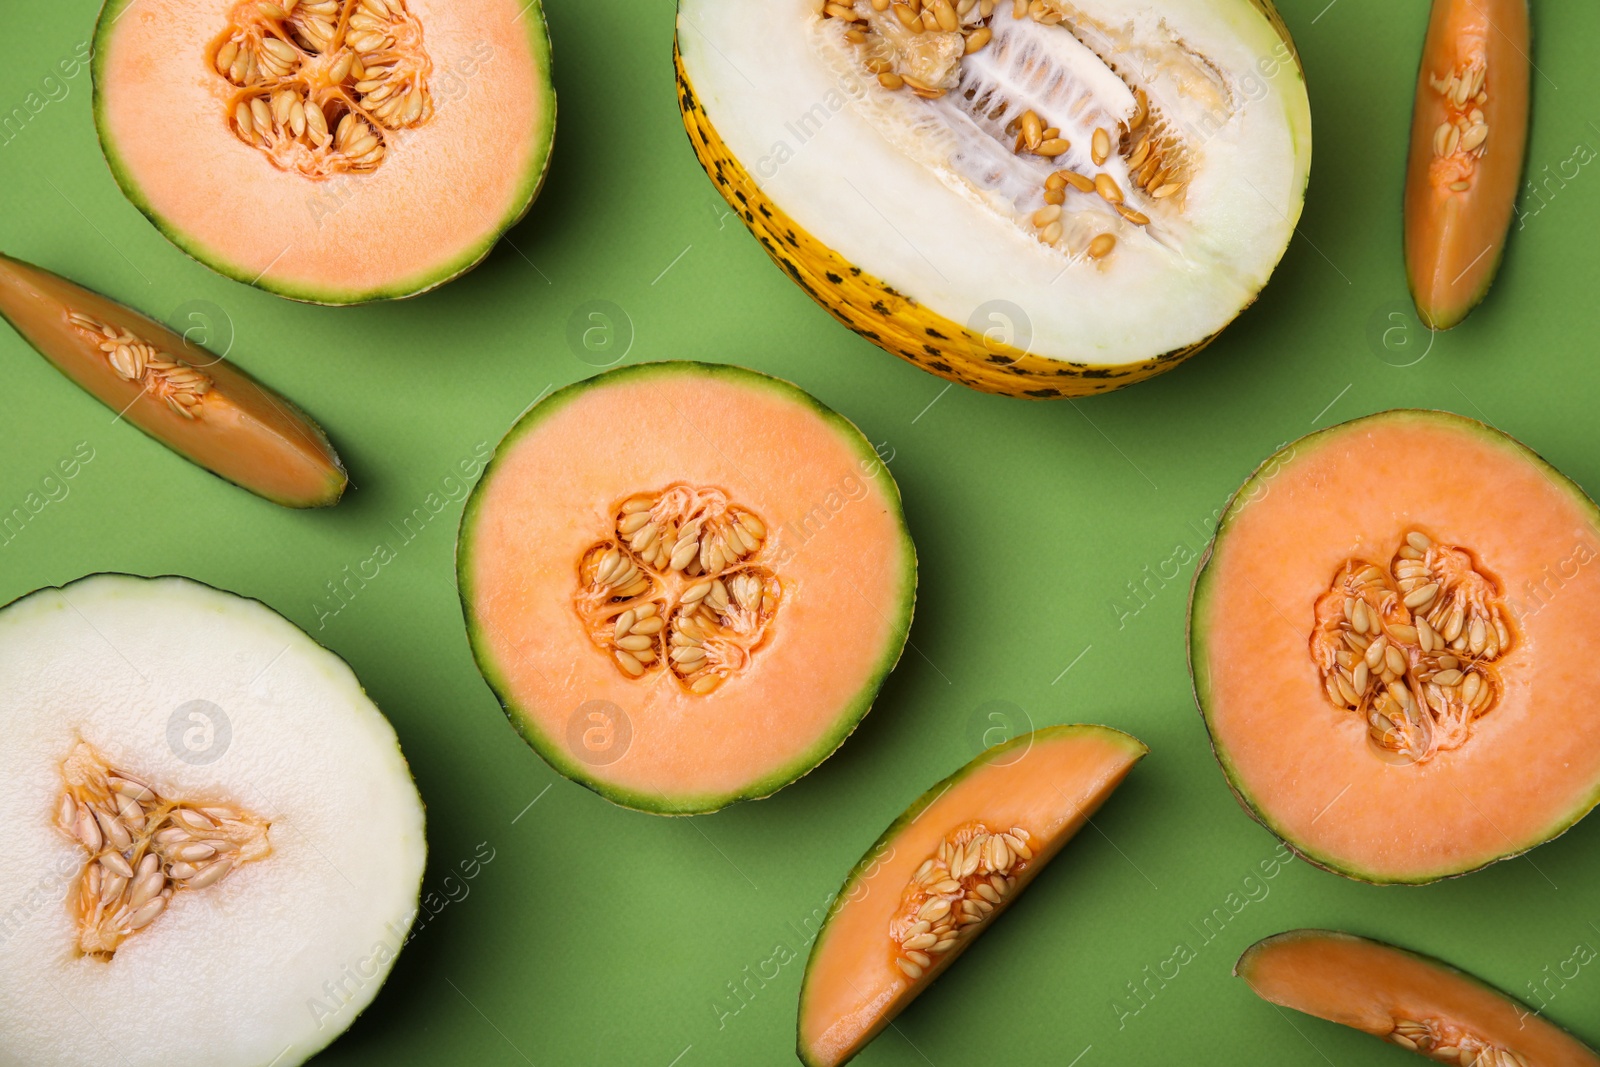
(600, 936)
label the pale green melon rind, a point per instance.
(1243, 968)
(337, 481)
(1042, 736)
(21, 603)
(543, 136)
(1201, 587)
(553, 749)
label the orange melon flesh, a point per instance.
(1454, 238)
(1308, 770)
(1050, 781)
(1371, 986)
(835, 537)
(245, 433)
(435, 206)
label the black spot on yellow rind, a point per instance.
(875, 310)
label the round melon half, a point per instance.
(214, 847)
(332, 151)
(685, 582)
(1390, 638)
(1042, 199)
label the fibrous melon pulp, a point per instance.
(685, 582)
(1046, 198)
(214, 846)
(334, 151)
(1390, 642)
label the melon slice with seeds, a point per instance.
(1039, 198)
(685, 582)
(1469, 137)
(943, 871)
(1388, 643)
(333, 151)
(214, 843)
(193, 401)
(1419, 1003)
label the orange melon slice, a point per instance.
(333, 151)
(191, 400)
(1469, 136)
(943, 871)
(685, 582)
(1388, 645)
(1416, 1002)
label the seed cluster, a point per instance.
(919, 44)
(1462, 138)
(143, 848)
(1448, 1043)
(134, 359)
(678, 586)
(324, 85)
(954, 891)
(1413, 647)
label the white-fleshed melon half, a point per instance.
(213, 843)
(1040, 199)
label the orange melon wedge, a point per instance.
(943, 871)
(1416, 1002)
(1389, 644)
(332, 151)
(1469, 137)
(685, 582)
(195, 402)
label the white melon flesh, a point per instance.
(275, 959)
(932, 196)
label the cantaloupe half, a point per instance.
(195, 402)
(1469, 136)
(943, 871)
(1416, 1002)
(214, 846)
(1041, 199)
(1391, 640)
(685, 582)
(333, 151)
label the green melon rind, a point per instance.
(552, 749)
(544, 139)
(1200, 589)
(18, 602)
(338, 480)
(1042, 736)
(1241, 969)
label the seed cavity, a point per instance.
(1412, 647)
(955, 891)
(1449, 1043)
(134, 359)
(679, 586)
(1032, 111)
(143, 847)
(324, 87)
(1462, 139)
